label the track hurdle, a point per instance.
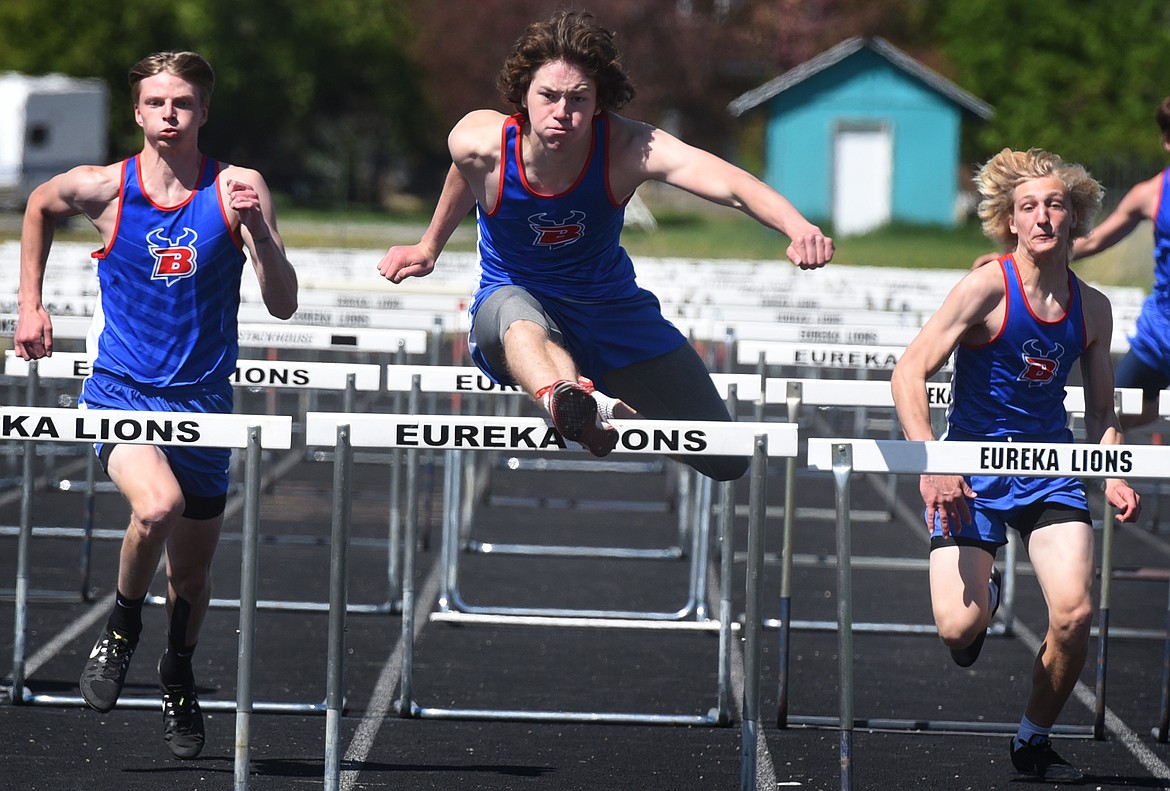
(796, 393)
(346, 378)
(460, 434)
(845, 457)
(694, 518)
(249, 432)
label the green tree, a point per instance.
(1078, 77)
(320, 96)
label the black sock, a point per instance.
(126, 617)
(174, 669)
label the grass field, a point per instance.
(687, 234)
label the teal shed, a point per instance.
(862, 135)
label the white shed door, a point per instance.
(863, 164)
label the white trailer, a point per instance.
(48, 124)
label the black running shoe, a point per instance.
(965, 657)
(574, 413)
(182, 721)
(1038, 759)
(105, 671)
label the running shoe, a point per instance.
(1038, 759)
(105, 670)
(182, 721)
(965, 657)
(574, 413)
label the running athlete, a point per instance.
(1147, 363)
(173, 225)
(1016, 328)
(558, 311)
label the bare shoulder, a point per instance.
(1094, 301)
(986, 282)
(476, 134)
(87, 185)
(239, 173)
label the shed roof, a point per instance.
(845, 49)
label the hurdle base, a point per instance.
(932, 726)
(711, 719)
(152, 703)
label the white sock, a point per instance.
(605, 405)
(1029, 730)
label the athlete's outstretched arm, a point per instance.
(663, 157)
(1101, 422)
(83, 189)
(418, 260)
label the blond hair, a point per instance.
(1000, 175)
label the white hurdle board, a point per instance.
(469, 379)
(819, 355)
(671, 437)
(1077, 460)
(274, 335)
(868, 393)
(142, 428)
(248, 373)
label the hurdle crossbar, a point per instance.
(248, 432)
(464, 434)
(844, 457)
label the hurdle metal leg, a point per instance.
(408, 707)
(338, 577)
(846, 719)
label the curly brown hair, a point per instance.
(190, 66)
(998, 178)
(574, 38)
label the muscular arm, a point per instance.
(86, 190)
(474, 143)
(248, 195)
(970, 311)
(645, 152)
(1101, 423)
(1140, 203)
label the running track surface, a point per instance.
(899, 676)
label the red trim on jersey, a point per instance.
(1028, 303)
(182, 203)
(524, 178)
(503, 157)
(235, 232)
(604, 116)
(1006, 307)
(102, 252)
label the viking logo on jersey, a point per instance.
(173, 259)
(1039, 365)
(557, 233)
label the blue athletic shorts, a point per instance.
(1150, 344)
(1004, 499)
(200, 471)
(599, 336)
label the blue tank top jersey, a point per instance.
(169, 287)
(1013, 386)
(1162, 246)
(565, 245)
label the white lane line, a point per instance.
(1086, 696)
(101, 607)
(765, 768)
(1114, 724)
(382, 699)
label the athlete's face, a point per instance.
(169, 108)
(561, 101)
(1042, 216)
